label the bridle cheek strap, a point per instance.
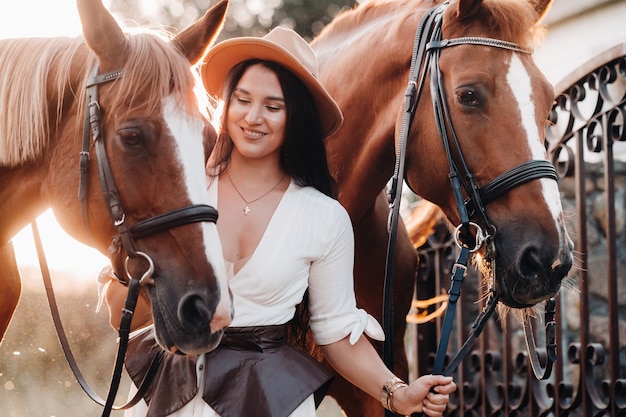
(124, 240)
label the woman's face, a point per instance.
(257, 115)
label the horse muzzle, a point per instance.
(195, 326)
(533, 277)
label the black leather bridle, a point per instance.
(469, 235)
(122, 243)
(126, 235)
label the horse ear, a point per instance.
(102, 33)
(542, 7)
(466, 9)
(195, 39)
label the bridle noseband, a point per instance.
(469, 235)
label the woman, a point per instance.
(286, 242)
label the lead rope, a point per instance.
(412, 96)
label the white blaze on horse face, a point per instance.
(188, 133)
(520, 83)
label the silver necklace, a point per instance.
(246, 209)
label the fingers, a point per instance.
(115, 297)
(435, 404)
(433, 410)
(440, 384)
(429, 394)
(448, 388)
(436, 401)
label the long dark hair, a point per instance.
(302, 157)
(303, 154)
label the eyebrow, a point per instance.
(271, 98)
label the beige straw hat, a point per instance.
(283, 46)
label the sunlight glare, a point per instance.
(48, 18)
(63, 253)
(35, 18)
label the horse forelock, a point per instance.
(155, 69)
(34, 79)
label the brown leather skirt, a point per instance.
(253, 372)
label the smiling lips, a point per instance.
(252, 134)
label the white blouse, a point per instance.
(308, 243)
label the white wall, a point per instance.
(577, 31)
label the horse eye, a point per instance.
(468, 97)
(131, 138)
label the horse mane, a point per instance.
(512, 20)
(36, 83)
(24, 108)
(362, 14)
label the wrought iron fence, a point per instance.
(587, 143)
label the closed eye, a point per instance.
(273, 108)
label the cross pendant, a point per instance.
(246, 210)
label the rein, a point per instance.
(67, 350)
(425, 60)
(122, 242)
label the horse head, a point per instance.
(493, 103)
(153, 204)
(498, 104)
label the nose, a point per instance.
(194, 312)
(536, 267)
(255, 115)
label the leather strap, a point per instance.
(124, 332)
(185, 215)
(548, 356)
(411, 99)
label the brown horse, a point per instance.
(498, 102)
(149, 131)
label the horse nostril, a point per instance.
(194, 313)
(561, 269)
(530, 264)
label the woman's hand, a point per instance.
(428, 394)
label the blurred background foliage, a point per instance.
(245, 17)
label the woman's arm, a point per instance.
(361, 365)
